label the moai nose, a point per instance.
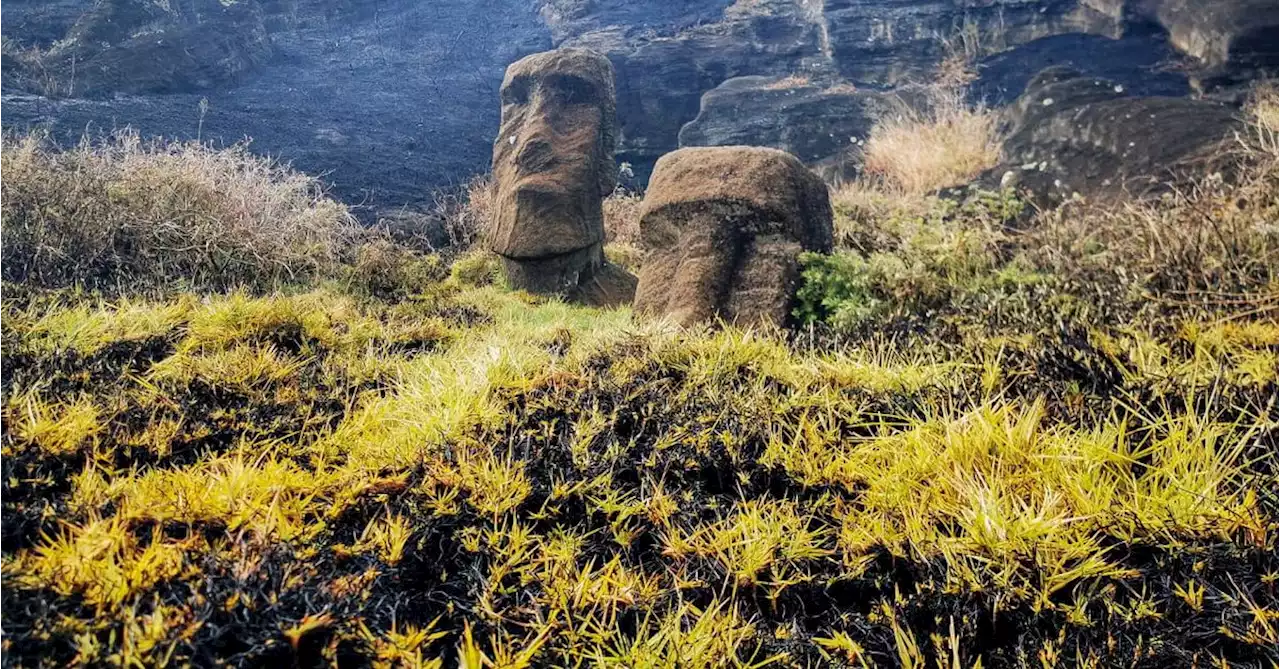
(535, 154)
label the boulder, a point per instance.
(722, 230)
(553, 165)
(823, 125)
(1071, 135)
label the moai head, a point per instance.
(723, 229)
(553, 163)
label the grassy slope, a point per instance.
(1022, 444)
(473, 472)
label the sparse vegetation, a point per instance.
(918, 151)
(1006, 438)
(125, 213)
(467, 213)
(788, 82)
(1266, 106)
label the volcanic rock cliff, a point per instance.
(392, 98)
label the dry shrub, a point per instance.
(1197, 249)
(788, 82)
(867, 216)
(920, 151)
(1212, 244)
(622, 218)
(1265, 106)
(125, 213)
(966, 45)
(386, 269)
(468, 213)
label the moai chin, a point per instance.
(553, 164)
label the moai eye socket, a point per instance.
(517, 92)
(573, 90)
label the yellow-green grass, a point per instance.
(477, 476)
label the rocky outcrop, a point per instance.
(1071, 135)
(824, 126)
(1140, 62)
(1231, 39)
(872, 41)
(395, 98)
(663, 71)
(723, 229)
(141, 46)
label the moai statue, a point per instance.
(723, 229)
(553, 164)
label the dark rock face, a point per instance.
(388, 100)
(1139, 62)
(1228, 37)
(190, 47)
(40, 23)
(570, 18)
(1083, 135)
(140, 46)
(723, 229)
(824, 126)
(661, 77)
(392, 99)
(872, 41)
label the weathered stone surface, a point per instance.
(663, 70)
(1083, 135)
(393, 99)
(872, 41)
(824, 126)
(723, 228)
(1138, 62)
(140, 46)
(553, 165)
(1222, 34)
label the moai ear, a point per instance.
(608, 133)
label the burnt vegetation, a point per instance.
(995, 438)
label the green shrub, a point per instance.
(910, 263)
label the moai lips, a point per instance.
(723, 229)
(553, 163)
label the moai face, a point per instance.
(553, 162)
(723, 229)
